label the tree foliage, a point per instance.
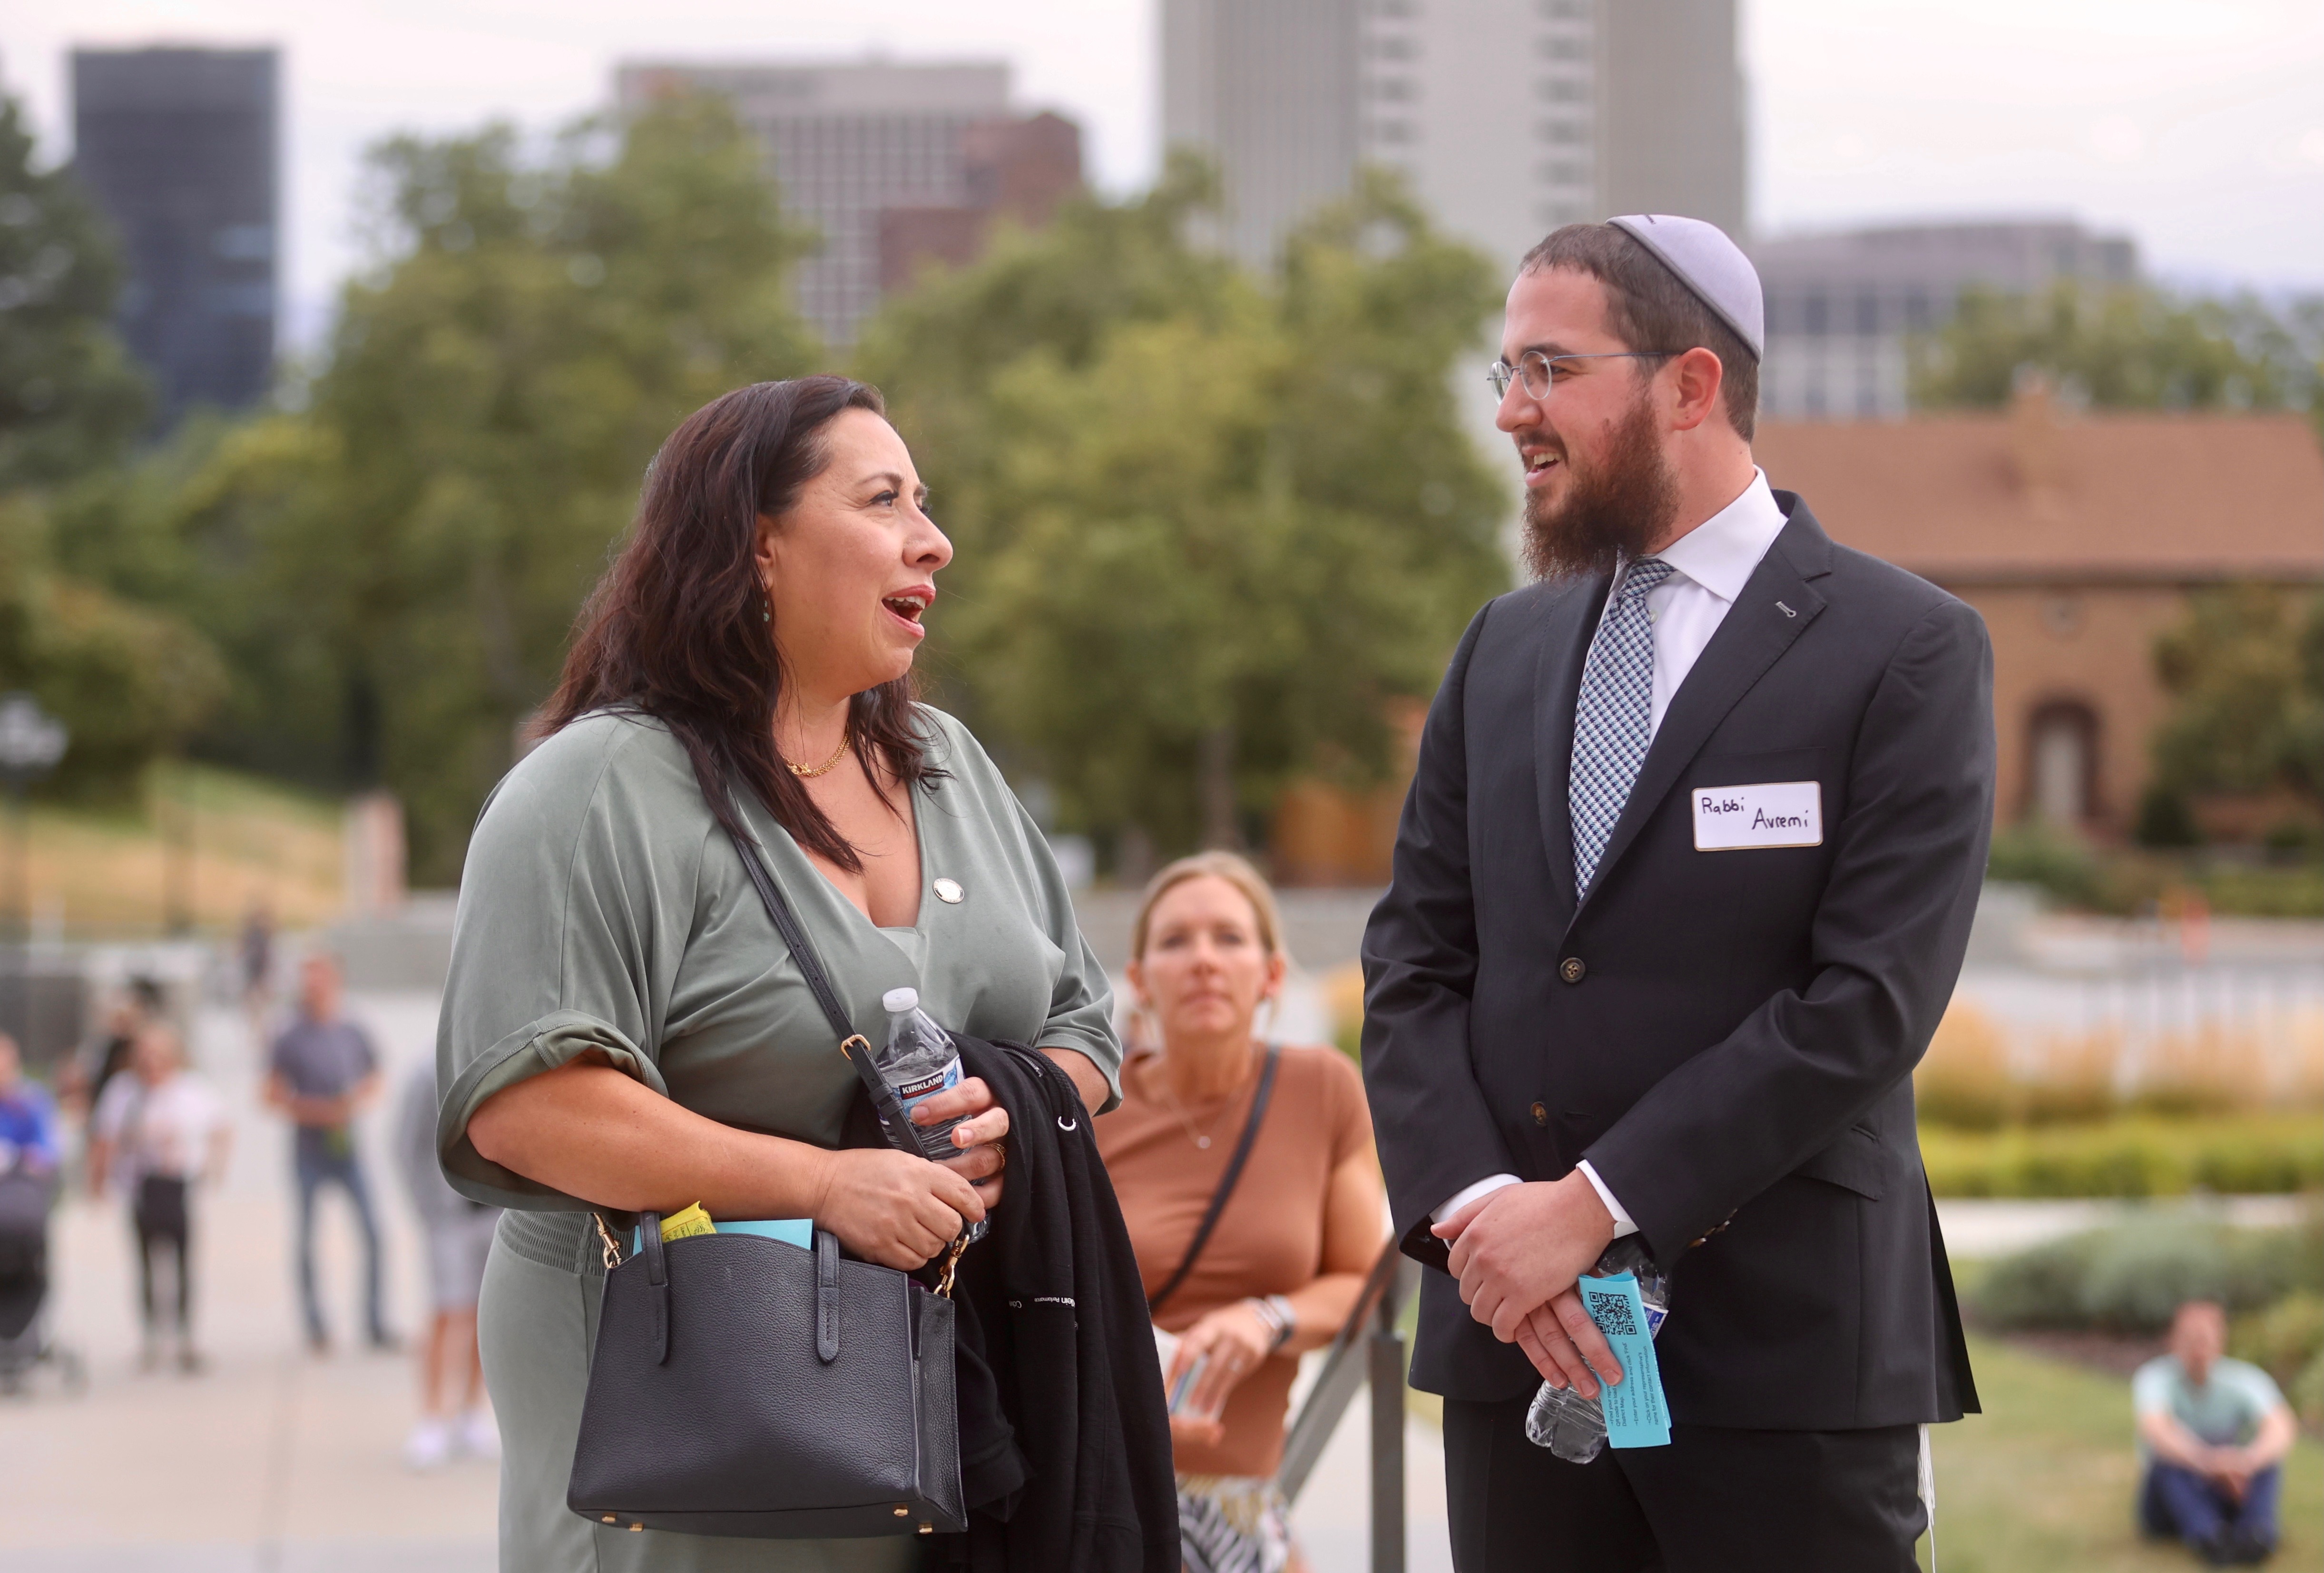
(393, 570)
(70, 398)
(1208, 524)
(2125, 348)
(130, 681)
(2246, 671)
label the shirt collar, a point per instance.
(1721, 553)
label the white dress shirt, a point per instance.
(1715, 559)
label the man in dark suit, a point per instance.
(1681, 891)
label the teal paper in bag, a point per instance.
(1636, 1415)
(799, 1232)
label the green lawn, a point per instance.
(2041, 1482)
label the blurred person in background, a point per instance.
(453, 1414)
(106, 1055)
(28, 1117)
(160, 1130)
(2212, 1433)
(621, 1027)
(1287, 1253)
(321, 1072)
(255, 953)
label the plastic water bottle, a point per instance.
(1569, 1425)
(917, 1062)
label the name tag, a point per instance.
(1777, 813)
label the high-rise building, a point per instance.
(1272, 89)
(847, 143)
(1670, 111)
(1508, 117)
(1842, 308)
(178, 147)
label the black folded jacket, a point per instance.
(1065, 1436)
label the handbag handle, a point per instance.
(1226, 1181)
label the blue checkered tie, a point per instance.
(1613, 717)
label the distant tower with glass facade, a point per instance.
(178, 149)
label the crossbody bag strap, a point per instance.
(854, 1044)
(1226, 1181)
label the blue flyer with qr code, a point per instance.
(1636, 1415)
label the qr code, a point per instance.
(1611, 1312)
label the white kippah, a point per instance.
(1709, 264)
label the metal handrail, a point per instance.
(1368, 1348)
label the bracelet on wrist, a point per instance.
(1281, 1320)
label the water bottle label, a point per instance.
(910, 1093)
(933, 1140)
(1636, 1413)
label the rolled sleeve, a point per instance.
(555, 1040)
(560, 950)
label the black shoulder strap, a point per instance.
(786, 924)
(1226, 1181)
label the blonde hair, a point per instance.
(1236, 871)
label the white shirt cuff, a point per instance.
(1469, 1193)
(1622, 1221)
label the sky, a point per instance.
(2196, 126)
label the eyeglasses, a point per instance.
(1537, 370)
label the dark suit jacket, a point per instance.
(1729, 1037)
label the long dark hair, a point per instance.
(677, 627)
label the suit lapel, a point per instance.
(1573, 620)
(1776, 607)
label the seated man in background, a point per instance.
(2214, 1433)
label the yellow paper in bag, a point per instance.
(693, 1220)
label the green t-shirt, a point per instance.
(2223, 1412)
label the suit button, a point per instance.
(1540, 1115)
(1571, 970)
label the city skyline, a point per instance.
(2186, 127)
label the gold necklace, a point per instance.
(805, 773)
(1201, 1138)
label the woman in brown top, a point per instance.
(1286, 1259)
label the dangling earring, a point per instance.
(766, 609)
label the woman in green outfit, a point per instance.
(621, 1026)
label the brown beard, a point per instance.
(1615, 509)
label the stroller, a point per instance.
(25, 1347)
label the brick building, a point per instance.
(2079, 536)
(1011, 169)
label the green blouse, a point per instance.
(603, 909)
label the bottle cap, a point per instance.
(897, 1001)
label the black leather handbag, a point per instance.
(743, 1386)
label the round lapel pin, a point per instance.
(948, 891)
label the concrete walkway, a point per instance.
(276, 1462)
(272, 1459)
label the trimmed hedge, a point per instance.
(2131, 1157)
(2131, 1277)
(2286, 1340)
